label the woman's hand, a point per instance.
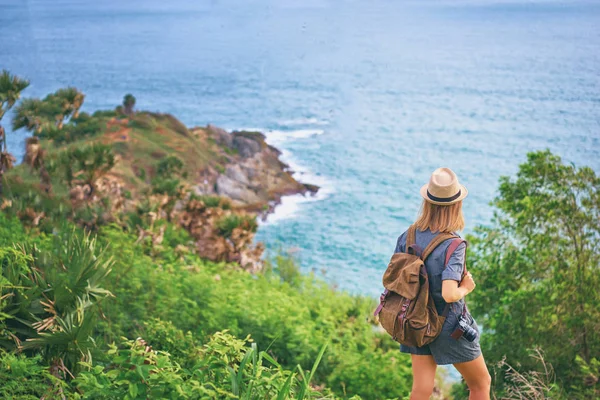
(468, 283)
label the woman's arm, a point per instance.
(454, 285)
(452, 291)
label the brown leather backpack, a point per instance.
(406, 309)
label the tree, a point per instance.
(11, 87)
(89, 163)
(538, 269)
(36, 115)
(28, 115)
(57, 109)
(128, 103)
(72, 100)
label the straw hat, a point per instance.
(443, 188)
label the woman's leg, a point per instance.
(423, 368)
(477, 377)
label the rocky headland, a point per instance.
(254, 177)
(213, 183)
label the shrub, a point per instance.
(26, 378)
(213, 201)
(224, 368)
(293, 321)
(49, 297)
(168, 166)
(228, 223)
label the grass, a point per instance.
(228, 223)
(214, 201)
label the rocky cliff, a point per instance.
(211, 182)
(253, 177)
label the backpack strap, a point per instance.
(452, 248)
(439, 239)
(449, 251)
(411, 239)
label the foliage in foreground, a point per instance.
(537, 273)
(178, 305)
(225, 367)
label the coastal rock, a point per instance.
(246, 145)
(236, 190)
(221, 136)
(253, 177)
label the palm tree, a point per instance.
(128, 103)
(55, 108)
(55, 295)
(72, 100)
(28, 115)
(11, 87)
(89, 163)
(6, 159)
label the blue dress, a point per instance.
(444, 349)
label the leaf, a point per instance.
(133, 390)
(284, 391)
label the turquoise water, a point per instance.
(365, 97)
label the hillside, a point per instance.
(202, 177)
(126, 224)
(130, 271)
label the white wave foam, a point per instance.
(304, 122)
(277, 137)
(290, 205)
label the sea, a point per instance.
(364, 98)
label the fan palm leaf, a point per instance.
(49, 298)
(72, 100)
(11, 87)
(28, 115)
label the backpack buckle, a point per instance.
(381, 302)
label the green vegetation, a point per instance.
(214, 201)
(108, 290)
(179, 305)
(72, 301)
(128, 104)
(537, 278)
(10, 91)
(228, 223)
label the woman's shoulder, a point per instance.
(420, 236)
(401, 242)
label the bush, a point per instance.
(49, 295)
(26, 378)
(213, 201)
(537, 269)
(228, 223)
(224, 368)
(293, 321)
(168, 166)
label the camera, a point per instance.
(464, 329)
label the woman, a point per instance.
(441, 211)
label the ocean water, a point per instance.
(365, 98)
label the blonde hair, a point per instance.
(440, 218)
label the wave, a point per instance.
(303, 122)
(291, 205)
(277, 137)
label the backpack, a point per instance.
(406, 309)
